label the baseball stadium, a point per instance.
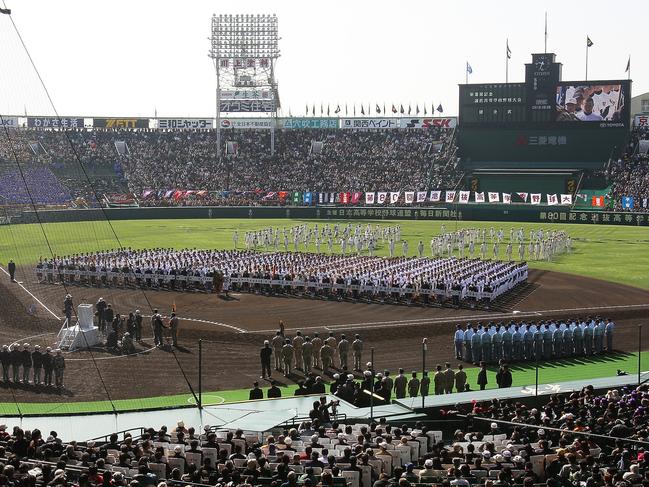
(366, 294)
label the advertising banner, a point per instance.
(185, 123)
(369, 123)
(246, 95)
(120, 123)
(247, 106)
(54, 123)
(247, 123)
(11, 122)
(307, 123)
(427, 123)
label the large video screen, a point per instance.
(600, 102)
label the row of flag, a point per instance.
(437, 196)
(363, 111)
(407, 197)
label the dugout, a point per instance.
(513, 180)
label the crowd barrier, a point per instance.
(463, 212)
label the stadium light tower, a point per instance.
(244, 49)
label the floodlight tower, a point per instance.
(244, 49)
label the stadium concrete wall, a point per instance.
(468, 212)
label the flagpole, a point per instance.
(466, 73)
(545, 39)
(507, 62)
(629, 70)
(587, 47)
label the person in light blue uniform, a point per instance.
(468, 346)
(517, 342)
(497, 346)
(508, 343)
(486, 346)
(598, 332)
(458, 340)
(608, 332)
(557, 342)
(538, 342)
(547, 342)
(568, 346)
(476, 345)
(588, 338)
(578, 339)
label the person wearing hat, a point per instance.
(100, 309)
(288, 354)
(424, 385)
(68, 308)
(16, 357)
(357, 352)
(27, 362)
(400, 384)
(277, 343)
(48, 366)
(37, 362)
(298, 341)
(460, 378)
(5, 360)
(326, 355)
(265, 357)
(427, 474)
(156, 325)
(59, 367)
(316, 341)
(449, 379)
(127, 344)
(307, 355)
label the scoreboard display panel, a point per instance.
(493, 103)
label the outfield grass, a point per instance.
(612, 253)
(523, 374)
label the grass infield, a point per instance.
(523, 374)
(611, 253)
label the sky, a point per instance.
(133, 57)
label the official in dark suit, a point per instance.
(12, 270)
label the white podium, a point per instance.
(82, 335)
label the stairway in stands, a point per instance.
(508, 301)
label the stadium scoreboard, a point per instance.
(520, 121)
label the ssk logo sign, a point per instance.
(426, 123)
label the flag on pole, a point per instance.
(327, 109)
(468, 68)
(345, 109)
(394, 109)
(509, 51)
(409, 109)
(314, 109)
(337, 109)
(5, 11)
(425, 112)
(307, 109)
(628, 65)
(589, 43)
(440, 109)
(417, 109)
(378, 108)
(402, 110)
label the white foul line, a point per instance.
(450, 318)
(28, 292)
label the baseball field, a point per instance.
(606, 274)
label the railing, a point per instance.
(105, 438)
